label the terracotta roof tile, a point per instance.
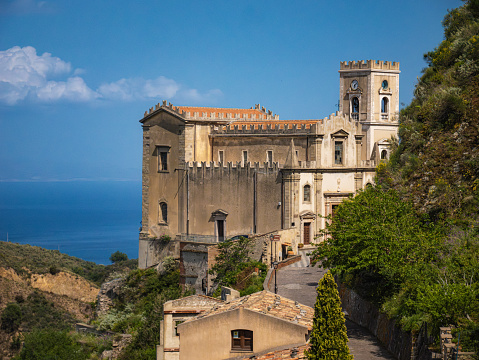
(266, 302)
(287, 353)
(208, 110)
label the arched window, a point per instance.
(307, 193)
(163, 212)
(384, 154)
(384, 105)
(355, 105)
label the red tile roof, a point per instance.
(266, 302)
(296, 352)
(217, 111)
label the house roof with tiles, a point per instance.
(265, 302)
(289, 353)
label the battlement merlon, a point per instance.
(371, 65)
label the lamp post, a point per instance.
(271, 238)
(275, 265)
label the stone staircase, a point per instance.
(304, 262)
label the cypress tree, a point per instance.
(329, 340)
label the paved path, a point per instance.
(299, 284)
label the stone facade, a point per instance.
(215, 173)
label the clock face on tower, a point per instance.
(354, 85)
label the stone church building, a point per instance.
(214, 173)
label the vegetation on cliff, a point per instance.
(234, 267)
(411, 243)
(27, 259)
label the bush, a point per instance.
(11, 317)
(118, 256)
(328, 339)
(47, 344)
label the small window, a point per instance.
(242, 340)
(338, 152)
(355, 105)
(334, 209)
(221, 156)
(245, 157)
(384, 154)
(384, 105)
(385, 85)
(162, 152)
(178, 322)
(269, 157)
(307, 193)
(163, 213)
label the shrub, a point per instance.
(118, 256)
(11, 317)
(328, 339)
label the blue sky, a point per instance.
(76, 76)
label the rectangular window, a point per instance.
(338, 152)
(269, 157)
(178, 322)
(221, 156)
(245, 157)
(162, 152)
(242, 340)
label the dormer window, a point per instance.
(241, 340)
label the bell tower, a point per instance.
(369, 94)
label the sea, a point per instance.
(86, 219)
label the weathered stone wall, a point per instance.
(194, 266)
(403, 345)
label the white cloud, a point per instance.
(26, 76)
(138, 89)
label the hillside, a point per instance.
(410, 244)
(436, 162)
(46, 290)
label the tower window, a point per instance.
(221, 156)
(355, 105)
(338, 152)
(384, 105)
(162, 152)
(384, 154)
(163, 213)
(307, 193)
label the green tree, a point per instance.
(377, 232)
(48, 344)
(118, 256)
(11, 317)
(329, 340)
(233, 257)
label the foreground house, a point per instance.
(255, 324)
(214, 173)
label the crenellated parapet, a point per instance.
(255, 113)
(286, 127)
(369, 65)
(210, 168)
